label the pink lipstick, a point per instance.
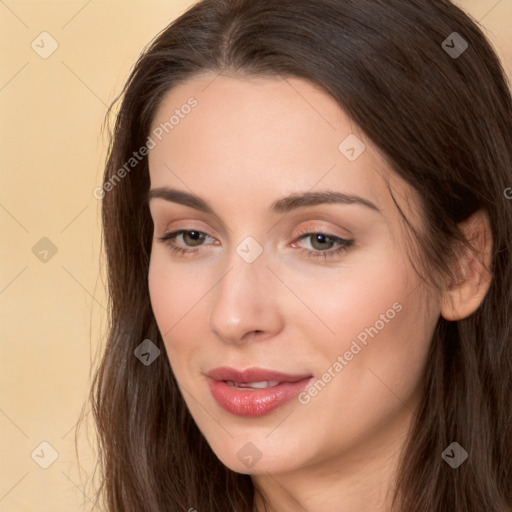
(255, 391)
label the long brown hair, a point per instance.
(443, 122)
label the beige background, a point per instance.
(52, 153)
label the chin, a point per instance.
(257, 456)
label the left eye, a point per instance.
(323, 238)
(195, 239)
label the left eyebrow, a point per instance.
(283, 205)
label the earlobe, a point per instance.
(472, 276)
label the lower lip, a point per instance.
(250, 402)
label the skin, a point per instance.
(249, 142)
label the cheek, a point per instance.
(161, 295)
(372, 374)
(172, 293)
(355, 299)
(384, 355)
(179, 293)
(167, 295)
(382, 330)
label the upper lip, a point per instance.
(253, 375)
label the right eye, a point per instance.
(192, 236)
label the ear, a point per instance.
(473, 278)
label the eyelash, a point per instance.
(345, 244)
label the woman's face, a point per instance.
(321, 292)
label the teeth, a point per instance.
(255, 385)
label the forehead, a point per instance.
(262, 135)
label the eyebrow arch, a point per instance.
(283, 205)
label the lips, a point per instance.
(255, 391)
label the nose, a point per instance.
(246, 303)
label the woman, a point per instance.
(308, 241)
